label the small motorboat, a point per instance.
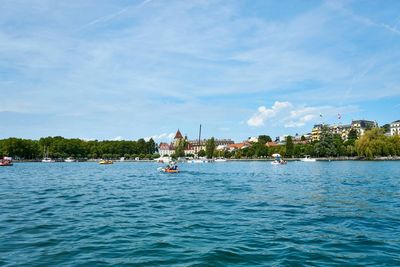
(5, 162)
(105, 162)
(171, 168)
(69, 159)
(163, 160)
(278, 160)
(307, 158)
(220, 160)
(48, 160)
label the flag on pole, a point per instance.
(339, 116)
(320, 114)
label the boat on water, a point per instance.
(275, 162)
(220, 160)
(170, 168)
(69, 159)
(307, 158)
(6, 161)
(163, 160)
(278, 160)
(105, 162)
(46, 158)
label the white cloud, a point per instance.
(118, 138)
(160, 137)
(289, 115)
(264, 113)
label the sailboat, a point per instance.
(198, 159)
(46, 158)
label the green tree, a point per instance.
(374, 143)
(325, 147)
(263, 139)
(180, 149)
(386, 128)
(201, 153)
(289, 146)
(210, 147)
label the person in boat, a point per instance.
(172, 167)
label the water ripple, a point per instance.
(228, 214)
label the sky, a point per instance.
(120, 69)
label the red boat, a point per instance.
(6, 162)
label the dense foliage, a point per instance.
(59, 147)
(210, 148)
(372, 144)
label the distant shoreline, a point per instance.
(239, 160)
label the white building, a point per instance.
(395, 128)
(165, 149)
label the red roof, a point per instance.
(238, 146)
(164, 146)
(271, 144)
(178, 135)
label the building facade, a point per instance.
(343, 130)
(192, 147)
(395, 128)
(362, 125)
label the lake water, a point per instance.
(220, 214)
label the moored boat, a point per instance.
(69, 159)
(307, 158)
(105, 162)
(46, 158)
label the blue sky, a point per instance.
(130, 69)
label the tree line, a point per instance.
(374, 143)
(61, 148)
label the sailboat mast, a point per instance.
(200, 135)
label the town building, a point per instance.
(192, 147)
(316, 132)
(238, 146)
(362, 125)
(165, 149)
(395, 128)
(343, 130)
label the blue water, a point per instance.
(221, 214)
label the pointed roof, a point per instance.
(178, 135)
